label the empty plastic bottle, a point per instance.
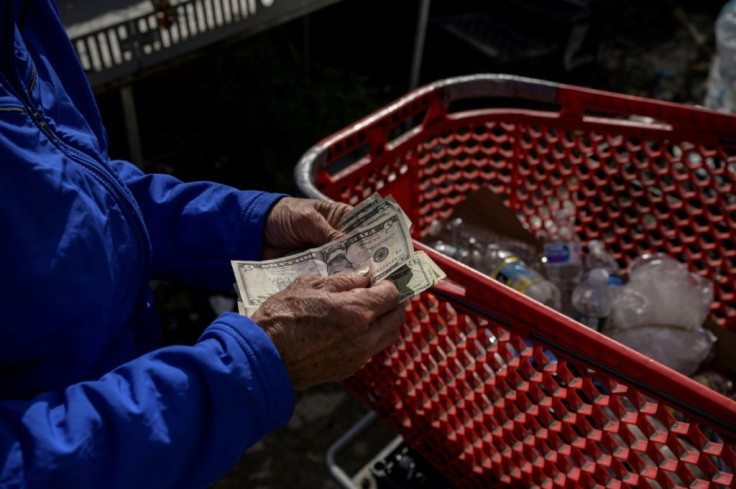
(449, 231)
(591, 299)
(509, 269)
(462, 233)
(563, 261)
(598, 257)
(672, 294)
(459, 253)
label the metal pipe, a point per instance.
(131, 125)
(416, 65)
(340, 476)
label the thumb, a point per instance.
(341, 282)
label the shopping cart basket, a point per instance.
(492, 388)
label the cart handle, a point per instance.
(434, 100)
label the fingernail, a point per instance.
(364, 271)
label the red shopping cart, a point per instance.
(492, 388)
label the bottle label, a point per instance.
(615, 280)
(516, 275)
(563, 253)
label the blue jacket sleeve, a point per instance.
(178, 417)
(197, 228)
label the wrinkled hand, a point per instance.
(326, 328)
(296, 224)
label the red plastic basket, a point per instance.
(493, 388)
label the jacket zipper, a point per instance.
(38, 118)
(102, 175)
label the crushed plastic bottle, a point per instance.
(681, 349)
(462, 233)
(510, 270)
(504, 266)
(449, 231)
(592, 300)
(660, 313)
(459, 253)
(666, 292)
(563, 262)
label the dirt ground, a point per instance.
(278, 95)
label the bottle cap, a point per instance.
(595, 246)
(435, 228)
(598, 277)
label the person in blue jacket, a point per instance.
(88, 397)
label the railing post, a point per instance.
(416, 64)
(131, 125)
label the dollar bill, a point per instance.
(377, 234)
(364, 206)
(384, 244)
(416, 276)
(246, 311)
(375, 211)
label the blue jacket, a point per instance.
(88, 398)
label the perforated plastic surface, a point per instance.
(493, 388)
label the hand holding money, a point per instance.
(374, 233)
(325, 328)
(297, 224)
(329, 309)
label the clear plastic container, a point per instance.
(661, 290)
(510, 270)
(467, 235)
(599, 257)
(592, 299)
(563, 259)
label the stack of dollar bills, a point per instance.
(376, 235)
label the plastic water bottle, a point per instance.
(459, 253)
(563, 260)
(721, 91)
(598, 257)
(591, 299)
(464, 234)
(510, 270)
(450, 231)
(457, 239)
